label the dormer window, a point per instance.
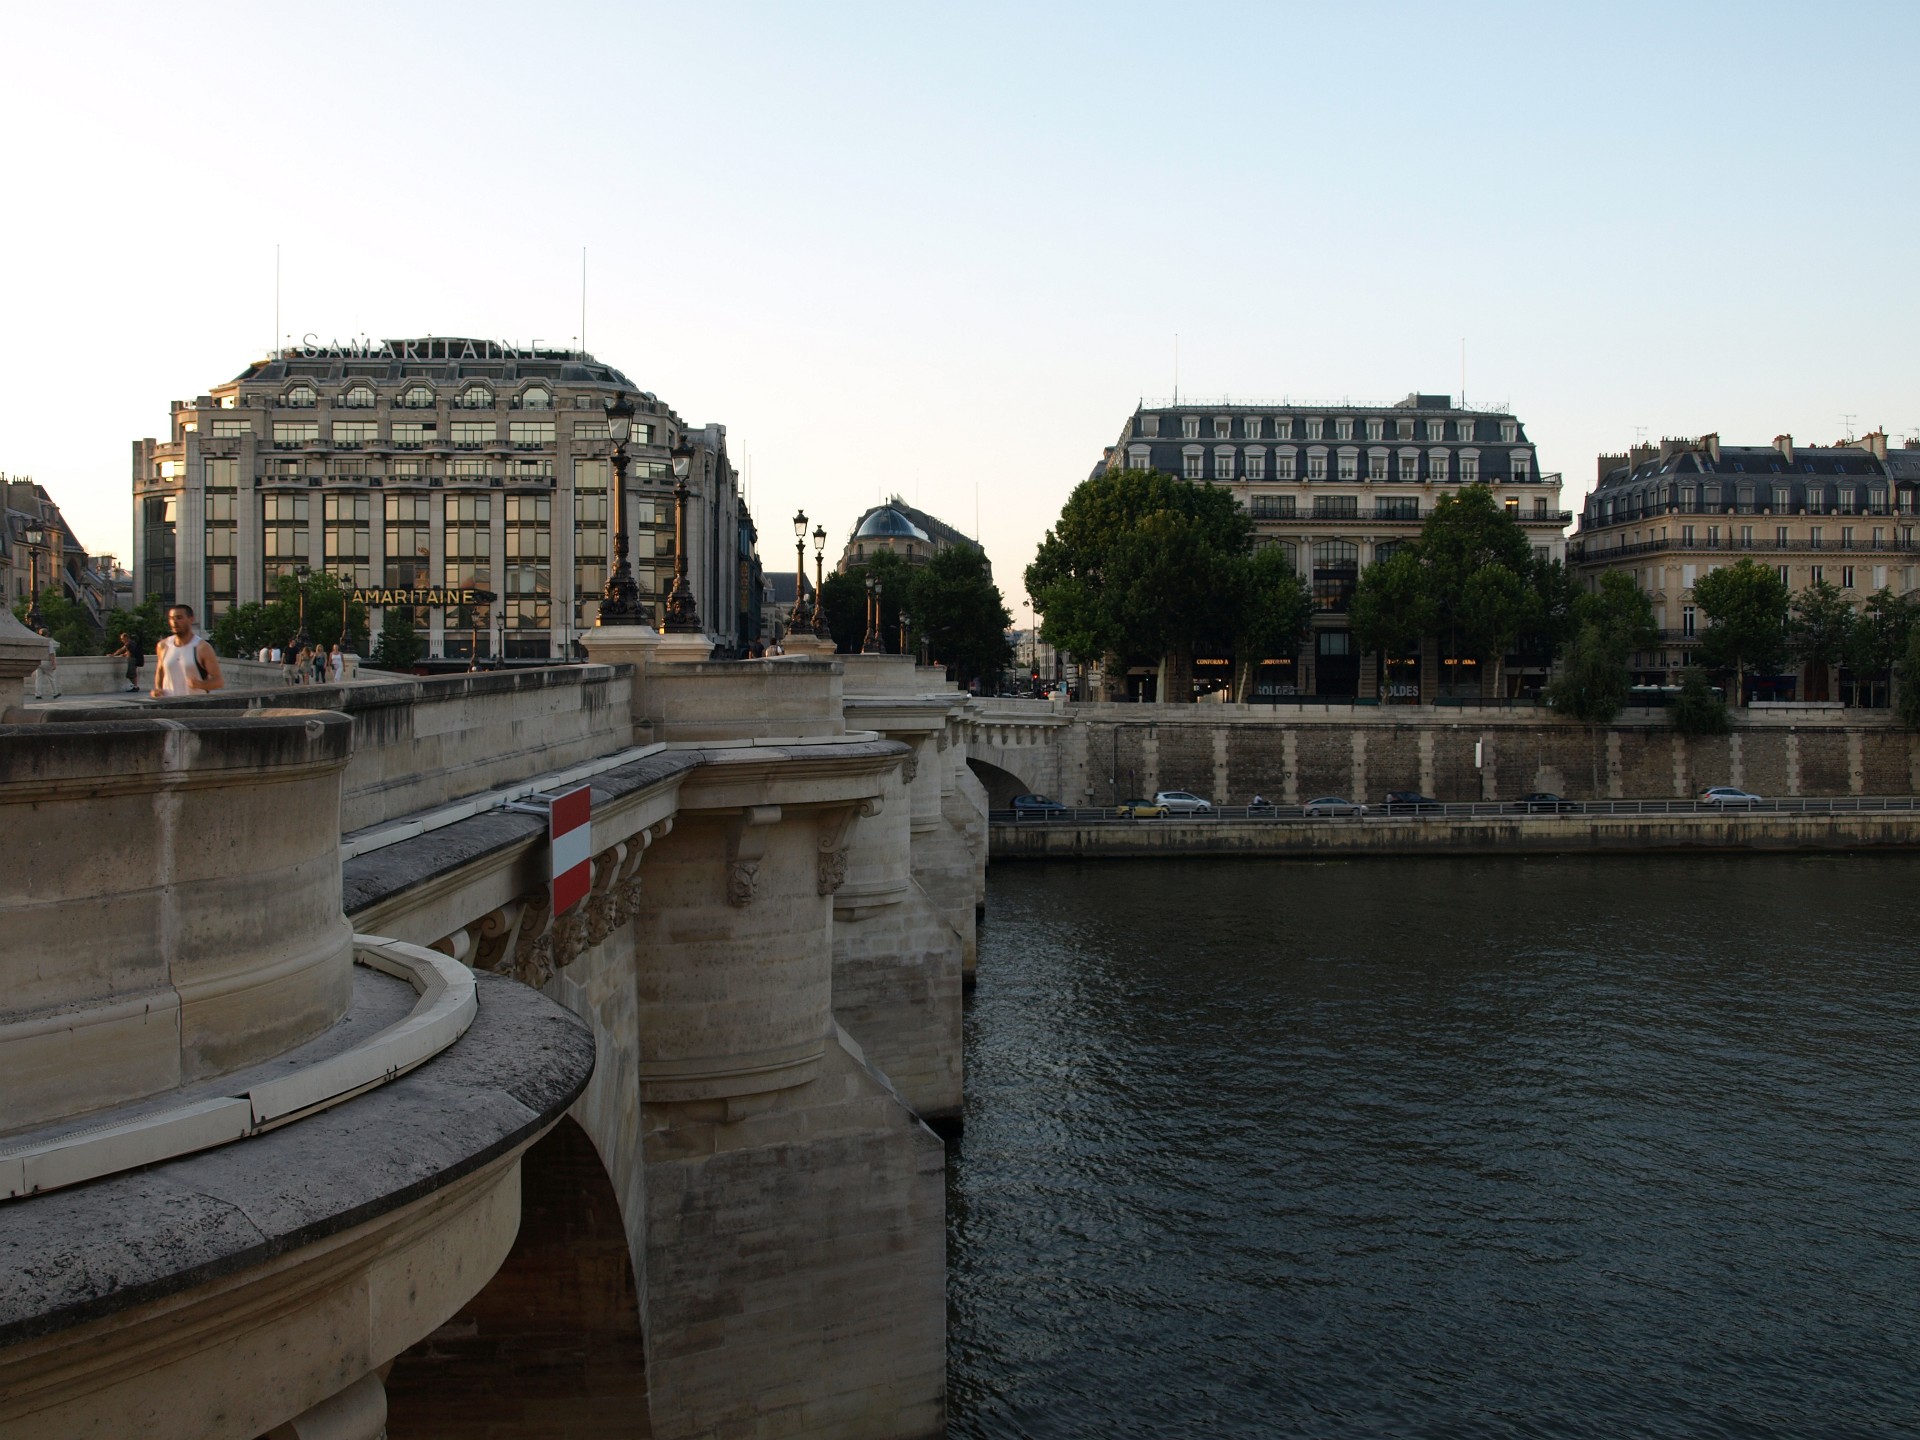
(1509, 431)
(1316, 428)
(1403, 429)
(1222, 427)
(536, 397)
(300, 397)
(415, 397)
(1250, 427)
(1464, 428)
(476, 398)
(1343, 428)
(1190, 427)
(360, 397)
(1376, 430)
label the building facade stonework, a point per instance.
(433, 463)
(1338, 487)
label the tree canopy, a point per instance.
(1746, 608)
(951, 603)
(246, 629)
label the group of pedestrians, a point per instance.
(306, 664)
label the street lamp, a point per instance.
(683, 615)
(904, 623)
(620, 600)
(819, 593)
(35, 538)
(301, 640)
(797, 620)
(873, 645)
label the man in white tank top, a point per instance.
(186, 663)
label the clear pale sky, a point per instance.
(943, 250)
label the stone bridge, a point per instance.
(739, 1229)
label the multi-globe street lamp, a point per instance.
(620, 600)
(683, 615)
(873, 644)
(819, 593)
(35, 538)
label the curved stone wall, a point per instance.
(172, 889)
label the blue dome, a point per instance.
(887, 522)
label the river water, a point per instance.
(1419, 1147)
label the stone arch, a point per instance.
(559, 1323)
(1001, 784)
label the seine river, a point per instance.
(1540, 1147)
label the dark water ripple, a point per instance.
(1425, 1148)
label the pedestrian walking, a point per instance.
(130, 653)
(184, 663)
(46, 677)
(336, 665)
(289, 665)
(319, 663)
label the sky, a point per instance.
(943, 251)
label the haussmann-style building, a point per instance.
(1338, 487)
(1670, 513)
(432, 464)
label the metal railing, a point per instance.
(1482, 809)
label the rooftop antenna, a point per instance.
(273, 349)
(1463, 372)
(1639, 435)
(1846, 422)
(1176, 394)
(583, 300)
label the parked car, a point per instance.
(1545, 801)
(1409, 802)
(1333, 805)
(1730, 797)
(1036, 805)
(1141, 810)
(1181, 802)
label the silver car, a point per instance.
(1181, 802)
(1333, 805)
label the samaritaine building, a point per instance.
(428, 464)
(1667, 514)
(1339, 486)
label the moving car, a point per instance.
(1333, 805)
(1036, 805)
(1141, 810)
(1409, 802)
(1729, 796)
(1181, 802)
(1545, 801)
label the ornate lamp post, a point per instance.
(35, 538)
(620, 601)
(905, 621)
(819, 593)
(873, 645)
(683, 616)
(301, 639)
(798, 620)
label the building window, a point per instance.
(1343, 428)
(1512, 506)
(1509, 431)
(288, 436)
(1223, 464)
(283, 536)
(1317, 465)
(1377, 467)
(346, 532)
(1409, 469)
(476, 397)
(412, 434)
(1813, 535)
(1399, 507)
(360, 397)
(537, 397)
(1403, 429)
(1222, 426)
(1250, 427)
(472, 434)
(1376, 429)
(469, 539)
(1256, 463)
(1336, 507)
(1336, 570)
(1283, 464)
(1522, 465)
(523, 434)
(1846, 537)
(1846, 577)
(1686, 497)
(1469, 468)
(1713, 537)
(300, 397)
(157, 547)
(528, 575)
(1190, 427)
(1146, 427)
(590, 430)
(351, 434)
(1436, 429)
(222, 479)
(1316, 429)
(531, 472)
(1782, 499)
(1191, 464)
(1689, 620)
(415, 397)
(231, 429)
(1273, 507)
(1349, 465)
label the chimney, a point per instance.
(1671, 446)
(1637, 455)
(1606, 464)
(1784, 444)
(1711, 444)
(1874, 442)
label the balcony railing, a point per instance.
(1582, 550)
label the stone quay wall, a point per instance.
(1087, 755)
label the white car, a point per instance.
(1180, 802)
(1332, 805)
(1730, 796)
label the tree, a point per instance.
(1697, 710)
(1746, 609)
(958, 611)
(1143, 567)
(1879, 636)
(1821, 629)
(244, 629)
(1392, 609)
(1908, 705)
(66, 621)
(400, 644)
(1273, 617)
(1492, 607)
(846, 597)
(1621, 609)
(1468, 532)
(1592, 685)
(1550, 620)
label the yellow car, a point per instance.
(1141, 810)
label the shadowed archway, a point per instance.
(1001, 785)
(551, 1347)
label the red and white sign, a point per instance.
(570, 839)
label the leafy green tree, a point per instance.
(1487, 618)
(957, 610)
(1592, 685)
(1621, 609)
(1907, 705)
(1142, 567)
(1746, 609)
(1549, 622)
(67, 622)
(245, 629)
(1821, 625)
(846, 596)
(400, 643)
(1468, 532)
(1879, 634)
(1273, 617)
(145, 623)
(1697, 710)
(1392, 609)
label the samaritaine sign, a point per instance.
(432, 595)
(312, 347)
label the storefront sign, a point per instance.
(431, 595)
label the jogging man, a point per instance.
(185, 663)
